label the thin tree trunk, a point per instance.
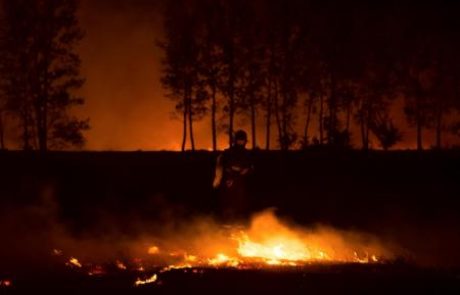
(439, 129)
(253, 123)
(368, 123)
(184, 122)
(419, 136)
(285, 143)
(307, 121)
(25, 132)
(277, 116)
(213, 117)
(364, 139)
(190, 123)
(44, 145)
(321, 119)
(41, 129)
(349, 111)
(332, 106)
(269, 115)
(418, 123)
(231, 117)
(231, 98)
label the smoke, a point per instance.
(35, 233)
(37, 238)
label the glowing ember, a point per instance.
(153, 250)
(140, 282)
(5, 283)
(96, 271)
(74, 261)
(120, 265)
(57, 252)
(374, 258)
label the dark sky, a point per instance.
(124, 97)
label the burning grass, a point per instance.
(266, 243)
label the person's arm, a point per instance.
(218, 172)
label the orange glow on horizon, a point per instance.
(124, 97)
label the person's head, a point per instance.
(240, 139)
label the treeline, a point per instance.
(345, 63)
(39, 73)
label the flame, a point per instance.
(224, 260)
(266, 242)
(150, 280)
(274, 250)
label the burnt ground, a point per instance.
(408, 198)
(332, 279)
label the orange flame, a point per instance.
(74, 262)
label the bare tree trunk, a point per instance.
(231, 117)
(364, 141)
(25, 131)
(213, 117)
(269, 114)
(284, 139)
(321, 119)
(307, 120)
(439, 122)
(368, 123)
(418, 124)
(231, 111)
(419, 136)
(364, 132)
(349, 111)
(190, 123)
(253, 123)
(43, 138)
(41, 128)
(332, 108)
(277, 116)
(184, 122)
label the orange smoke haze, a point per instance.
(124, 97)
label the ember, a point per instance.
(120, 265)
(149, 280)
(5, 283)
(74, 262)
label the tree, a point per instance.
(41, 70)
(251, 79)
(211, 61)
(181, 70)
(386, 132)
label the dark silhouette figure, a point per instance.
(233, 168)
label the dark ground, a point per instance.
(344, 279)
(408, 198)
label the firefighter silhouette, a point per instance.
(233, 168)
